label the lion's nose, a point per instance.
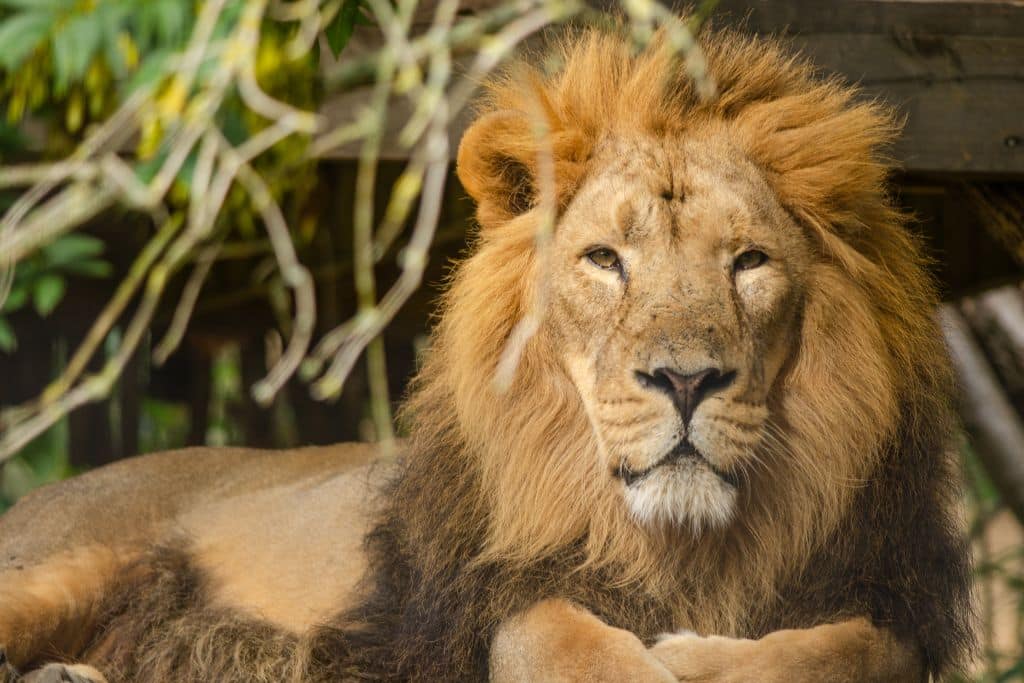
(686, 390)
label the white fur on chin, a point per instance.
(680, 494)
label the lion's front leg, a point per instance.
(556, 642)
(64, 673)
(847, 652)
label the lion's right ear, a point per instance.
(496, 164)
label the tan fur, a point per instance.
(313, 567)
(51, 607)
(252, 520)
(557, 642)
(849, 651)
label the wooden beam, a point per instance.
(955, 69)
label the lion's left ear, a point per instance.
(498, 163)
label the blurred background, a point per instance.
(226, 221)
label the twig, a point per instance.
(464, 36)
(74, 206)
(295, 276)
(186, 304)
(525, 329)
(112, 311)
(246, 42)
(346, 342)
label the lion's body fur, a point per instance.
(498, 502)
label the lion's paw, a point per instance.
(709, 659)
(64, 673)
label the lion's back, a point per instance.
(132, 501)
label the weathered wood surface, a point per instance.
(955, 69)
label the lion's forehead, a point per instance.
(643, 189)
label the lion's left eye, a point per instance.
(750, 259)
(605, 258)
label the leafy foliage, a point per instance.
(69, 59)
(41, 280)
(339, 31)
(66, 66)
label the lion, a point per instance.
(725, 453)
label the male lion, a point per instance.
(733, 424)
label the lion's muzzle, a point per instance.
(682, 452)
(686, 390)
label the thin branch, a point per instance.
(112, 311)
(295, 276)
(247, 40)
(74, 206)
(465, 35)
(186, 304)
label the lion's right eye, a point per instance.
(605, 258)
(750, 259)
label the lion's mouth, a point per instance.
(682, 452)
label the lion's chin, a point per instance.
(682, 493)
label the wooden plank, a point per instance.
(955, 69)
(988, 18)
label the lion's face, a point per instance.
(676, 290)
(737, 326)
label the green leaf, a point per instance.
(36, 4)
(172, 19)
(48, 292)
(91, 268)
(73, 48)
(146, 170)
(340, 30)
(8, 342)
(15, 299)
(20, 35)
(153, 68)
(73, 247)
(111, 17)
